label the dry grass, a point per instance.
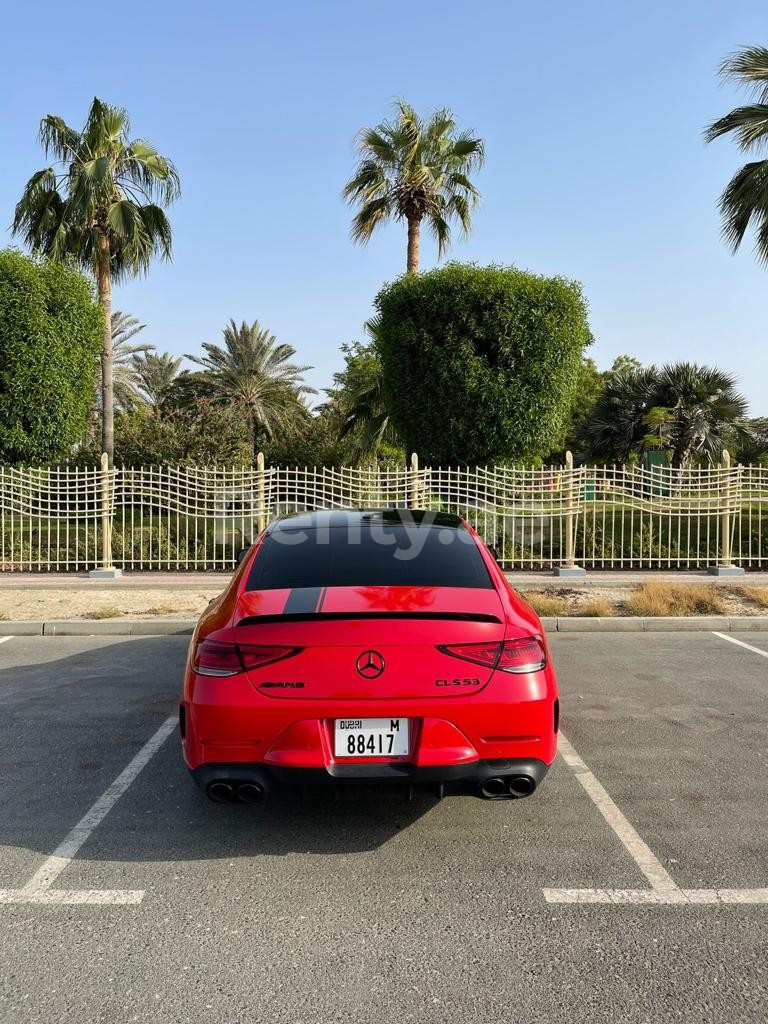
(544, 604)
(160, 609)
(598, 608)
(651, 599)
(110, 612)
(757, 595)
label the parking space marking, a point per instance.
(660, 880)
(663, 887)
(740, 643)
(5, 639)
(38, 888)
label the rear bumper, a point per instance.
(467, 778)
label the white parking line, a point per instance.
(38, 888)
(663, 887)
(740, 643)
(5, 639)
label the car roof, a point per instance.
(346, 518)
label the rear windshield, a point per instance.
(390, 556)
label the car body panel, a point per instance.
(459, 713)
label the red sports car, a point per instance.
(381, 646)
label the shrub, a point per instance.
(201, 434)
(480, 364)
(51, 330)
(675, 599)
(596, 607)
(757, 595)
(544, 604)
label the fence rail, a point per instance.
(198, 518)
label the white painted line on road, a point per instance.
(638, 896)
(664, 890)
(38, 888)
(740, 643)
(5, 639)
(65, 897)
(660, 880)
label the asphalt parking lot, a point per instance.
(632, 887)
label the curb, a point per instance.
(676, 624)
(104, 627)
(569, 624)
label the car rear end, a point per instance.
(363, 647)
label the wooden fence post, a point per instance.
(569, 567)
(106, 571)
(725, 566)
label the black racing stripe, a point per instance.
(302, 600)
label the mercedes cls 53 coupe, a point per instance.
(381, 646)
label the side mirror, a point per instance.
(242, 553)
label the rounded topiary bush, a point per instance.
(51, 331)
(480, 364)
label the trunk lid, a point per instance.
(369, 643)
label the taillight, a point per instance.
(526, 655)
(218, 658)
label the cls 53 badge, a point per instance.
(465, 681)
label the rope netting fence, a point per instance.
(197, 518)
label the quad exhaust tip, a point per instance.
(250, 792)
(220, 792)
(223, 792)
(493, 789)
(510, 788)
(521, 785)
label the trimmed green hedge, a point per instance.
(480, 363)
(51, 333)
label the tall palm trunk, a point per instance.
(681, 450)
(107, 381)
(414, 233)
(254, 438)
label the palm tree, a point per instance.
(615, 428)
(252, 374)
(155, 376)
(124, 329)
(412, 169)
(745, 199)
(699, 405)
(100, 204)
(705, 406)
(356, 403)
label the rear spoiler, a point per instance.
(264, 620)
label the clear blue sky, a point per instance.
(592, 115)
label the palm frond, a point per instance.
(745, 200)
(58, 139)
(749, 67)
(748, 125)
(368, 218)
(124, 328)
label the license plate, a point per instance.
(371, 737)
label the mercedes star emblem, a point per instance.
(370, 664)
